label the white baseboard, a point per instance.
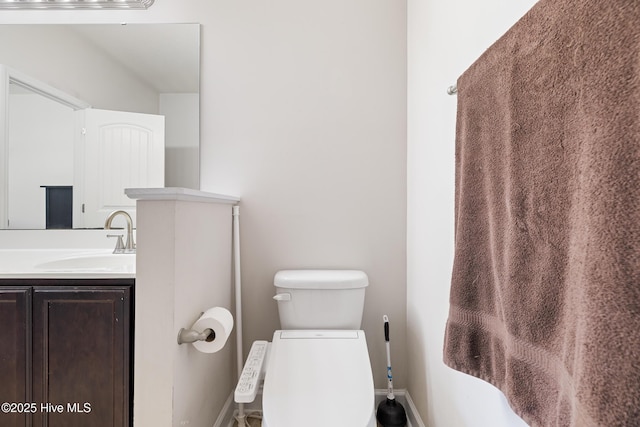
(225, 418)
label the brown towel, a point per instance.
(545, 295)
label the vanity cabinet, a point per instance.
(65, 350)
(15, 327)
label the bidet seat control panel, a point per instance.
(252, 373)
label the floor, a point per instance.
(252, 421)
(256, 409)
(255, 422)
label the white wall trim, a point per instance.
(225, 418)
(183, 194)
(403, 397)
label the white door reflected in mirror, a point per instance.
(121, 150)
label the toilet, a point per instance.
(318, 371)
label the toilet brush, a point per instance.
(390, 413)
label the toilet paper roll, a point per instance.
(220, 321)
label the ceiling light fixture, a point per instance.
(75, 4)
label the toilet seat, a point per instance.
(318, 378)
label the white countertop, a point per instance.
(67, 263)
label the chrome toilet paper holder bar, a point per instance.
(189, 336)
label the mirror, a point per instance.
(139, 68)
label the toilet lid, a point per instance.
(318, 378)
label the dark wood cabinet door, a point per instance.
(15, 357)
(81, 356)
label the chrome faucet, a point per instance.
(130, 246)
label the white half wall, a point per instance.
(444, 38)
(183, 268)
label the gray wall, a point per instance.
(309, 128)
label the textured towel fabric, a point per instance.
(545, 294)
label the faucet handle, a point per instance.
(119, 243)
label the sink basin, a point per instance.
(91, 263)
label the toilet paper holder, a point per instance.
(189, 336)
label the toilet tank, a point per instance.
(320, 299)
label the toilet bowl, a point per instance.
(318, 378)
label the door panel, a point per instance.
(120, 150)
(15, 352)
(81, 354)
